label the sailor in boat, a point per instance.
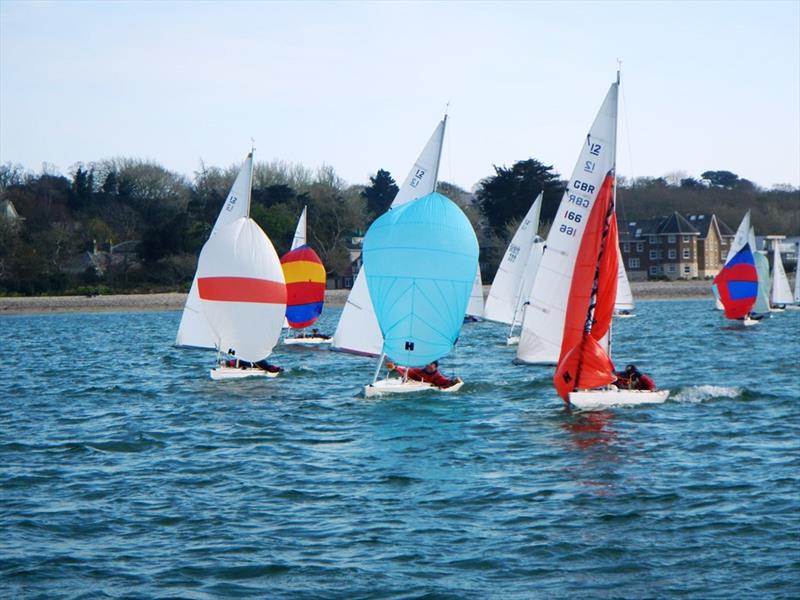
(315, 333)
(429, 374)
(235, 363)
(633, 379)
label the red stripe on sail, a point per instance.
(581, 359)
(304, 292)
(241, 289)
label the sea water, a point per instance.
(127, 472)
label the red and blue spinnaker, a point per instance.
(737, 284)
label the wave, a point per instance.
(701, 393)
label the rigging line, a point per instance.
(630, 149)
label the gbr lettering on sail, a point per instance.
(583, 189)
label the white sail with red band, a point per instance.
(193, 330)
(242, 290)
(544, 322)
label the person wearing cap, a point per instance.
(429, 374)
(633, 379)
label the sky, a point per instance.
(360, 86)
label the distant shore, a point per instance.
(642, 290)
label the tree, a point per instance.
(508, 194)
(724, 179)
(379, 194)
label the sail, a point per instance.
(305, 286)
(762, 298)
(543, 324)
(300, 233)
(781, 292)
(507, 294)
(717, 301)
(583, 360)
(420, 260)
(737, 284)
(624, 294)
(797, 274)
(475, 305)
(358, 331)
(193, 330)
(242, 290)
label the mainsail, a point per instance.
(781, 292)
(517, 270)
(241, 290)
(761, 306)
(544, 321)
(624, 294)
(420, 260)
(475, 307)
(358, 331)
(194, 330)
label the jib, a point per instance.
(583, 186)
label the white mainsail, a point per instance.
(194, 330)
(517, 270)
(781, 292)
(543, 324)
(797, 274)
(762, 267)
(624, 295)
(299, 238)
(475, 308)
(358, 331)
(242, 290)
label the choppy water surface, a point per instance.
(126, 471)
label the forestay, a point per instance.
(194, 330)
(543, 324)
(358, 331)
(517, 270)
(242, 291)
(420, 260)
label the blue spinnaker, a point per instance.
(420, 260)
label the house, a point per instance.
(674, 247)
(713, 243)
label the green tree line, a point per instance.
(170, 216)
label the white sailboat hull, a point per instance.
(615, 397)
(398, 386)
(306, 341)
(222, 373)
(512, 340)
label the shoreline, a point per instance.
(642, 290)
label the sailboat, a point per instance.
(358, 331)
(737, 282)
(585, 241)
(420, 260)
(305, 288)
(623, 308)
(508, 296)
(781, 292)
(796, 305)
(475, 307)
(544, 321)
(242, 297)
(761, 308)
(194, 330)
